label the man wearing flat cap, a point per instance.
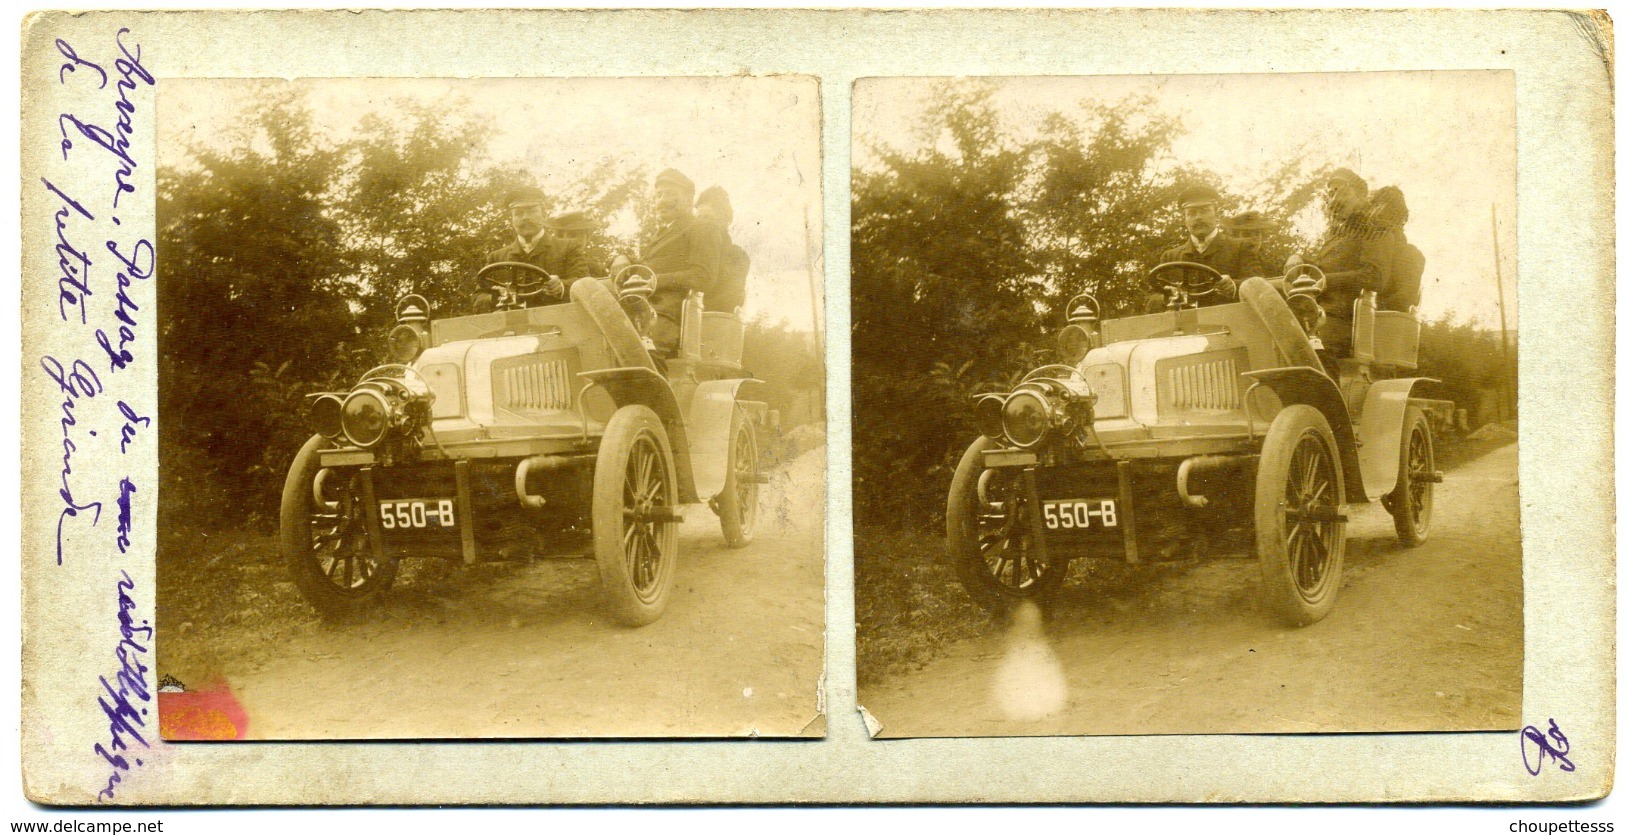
(1252, 229)
(1249, 227)
(1354, 255)
(684, 254)
(577, 228)
(562, 259)
(1206, 243)
(713, 207)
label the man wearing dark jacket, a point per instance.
(714, 208)
(1206, 243)
(1354, 255)
(561, 258)
(684, 253)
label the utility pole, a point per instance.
(1507, 398)
(814, 260)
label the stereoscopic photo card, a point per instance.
(551, 407)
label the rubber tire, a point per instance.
(605, 311)
(1282, 595)
(306, 571)
(1411, 531)
(1283, 327)
(739, 523)
(964, 546)
(625, 428)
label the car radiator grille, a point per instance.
(1204, 385)
(537, 385)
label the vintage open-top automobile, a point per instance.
(1167, 431)
(522, 429)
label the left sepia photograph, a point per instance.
(493, 408)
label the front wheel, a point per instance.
(990, 535)
(1411, 502)
(635, 515)
(325, 541)
(736, 505)
(1299, 516)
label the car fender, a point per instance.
(710, 416)
(642, 386)
(601, 305)
(1271, 308)
(1312, 387)
(1382, 425)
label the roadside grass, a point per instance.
(225, 601)
(908, 603)
(910, 607)
(223, 597)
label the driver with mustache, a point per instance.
(560, 257)
(1207, 243)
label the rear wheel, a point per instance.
(737, 503)
(1411, 503)
(1299, 517)
(990, 535)
(635, 515)
(326, 543)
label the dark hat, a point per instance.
(1198, 196)
(1347, 176)
(572, 222)
(1250, 221)
(525, 196)
(1387, 207)
(676, 178)
(714, 194)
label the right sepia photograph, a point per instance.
(1186, 404)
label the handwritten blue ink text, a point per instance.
(1551, 744)
(127, 692)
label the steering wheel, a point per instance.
(635, 280)
(1304, 278)
(1193, 279)
(1303, 284)
(515, 292)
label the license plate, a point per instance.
(412, 514)
(1077, 514)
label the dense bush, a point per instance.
(1473, 367)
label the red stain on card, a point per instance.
(209, 713)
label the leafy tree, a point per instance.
(418, 211)
(1097, 197)
(942, 270)
(249, 255)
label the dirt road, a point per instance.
(522, 650)
(1422, 639)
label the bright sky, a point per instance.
(756, 137)
(1447, 139)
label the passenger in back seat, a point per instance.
(1388, 213)
(1355, 255)
(713, 207)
